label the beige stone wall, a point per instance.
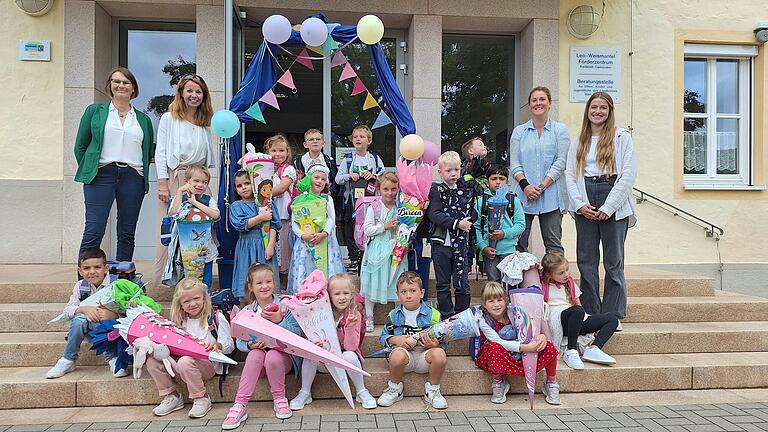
(31, 114)
(651, 104)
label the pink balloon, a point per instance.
(431, 153)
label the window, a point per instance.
(717, 116)
(477, 92)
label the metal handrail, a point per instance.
(710, 229)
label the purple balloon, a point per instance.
(431, 153)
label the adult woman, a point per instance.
(599, 175)
(113, 149)
(183, 139)
(537, 160)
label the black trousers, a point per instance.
(450, 267)
(353, 251)
(574, 325)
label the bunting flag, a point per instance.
(270, 99)
(338, 59)
(347, 73)
(255, 112)
(370, 102)
(317, 49)
(303, 59)
(287, 80)
(359, 87)
(381, 120)
(329, 44)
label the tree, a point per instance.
(175, 69)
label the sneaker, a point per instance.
(571, 358)
(499, 389)
(301, 399)
(618, 327)
(392, 394)
(433, 397)
(61, 368)
(551, 393)
(236, 416)
(169, 404)
(282, 409)
(200, 407)
(369, 324)
(596, 355)
(364, 397)
(119, 374)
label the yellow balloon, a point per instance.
(411, 147)
(370, 29)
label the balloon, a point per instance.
(411, 147)
(225, 123)
(313, 31)
(370, 29)
(431, 153)
(276, 29)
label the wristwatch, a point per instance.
(541, 186)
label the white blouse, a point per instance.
(224, 336)
(181, 143)
(122, 141)
(371, 226)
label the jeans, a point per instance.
(448, 266)
(611, 234)
(80, 329)
(113, 183)
(491, 269)
(551, 231)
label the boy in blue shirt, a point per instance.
(495, 245)
(425, 355)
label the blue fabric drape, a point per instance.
(260, 77)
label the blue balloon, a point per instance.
(225, 123)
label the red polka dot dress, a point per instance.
(496, 360)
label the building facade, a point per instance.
(690, 79)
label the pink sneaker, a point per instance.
(236, 416)
(282, 409)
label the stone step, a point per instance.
(94, 385)
(42, 349)
(722, 307)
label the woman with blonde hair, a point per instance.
(600, 173)
(183, 139)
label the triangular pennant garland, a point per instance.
(347, 73)
(330, 44)
(255, 112)
(270, 99)
(287, 80)
(370, 102)
(338, 59)
(381, 120)
(302, 58)
(359, 87)
(317, 49)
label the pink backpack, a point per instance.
(292, 191)
(361, 205)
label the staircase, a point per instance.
(680, 334)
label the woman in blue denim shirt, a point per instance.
(538, 149)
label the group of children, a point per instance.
(456, 223)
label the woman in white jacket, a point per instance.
(600, 173)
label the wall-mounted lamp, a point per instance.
(583, 21)
(35, 7)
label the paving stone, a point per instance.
(473, 414)
(52, 428)
(702, 428)
(419, 424)
(694, 417)
(504, 427)
(143, 424)
(511, 417)
(410, 416)
(674, 421)
(357, 424)
(645, 415)
(553, 422)
(651, 425)
(598, 414)
(378, 430)
(624, 419)
(742, 406)
(742, 419)
(629, 429)
(190, 422)
(173, 429)
(457, 418)
(78, 427)
(28, 428)
(112, 425)
(751, 427)
(250, 428)
(666, 412)
(641, 408)
(689, 407)
(603, 424)
(281, 426)
(575, 418)
(154, 426)
(405, 425)
(458, 428)
(310, 422)
(713, 412)
(528, 416)
(340, 418)
(617, 409)
(730, 408)
(385, 420)
(529, 427)
(437, 415)
(479, 424)
(726, 425)
(329, 426)
(366, 417)
(577, 426)
(207, 428)
(761, 414)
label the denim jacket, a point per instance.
(395, 325)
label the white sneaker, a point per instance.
(571, 358)
(618, 327)
(392, 394)
(61, 368)
(433, 397)
(369, 324)
(596, 355)
(119, 374)
(170, 404)
(200, 407)
(301, 399)
(551, 393)
(364, 397)
(499, 390)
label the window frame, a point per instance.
(711, 53)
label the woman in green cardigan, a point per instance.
(113, 148)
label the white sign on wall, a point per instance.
(35, 50)
(595, 69)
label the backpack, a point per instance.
(292, 191)
(348, 161)
(361, 206)
(213, 327)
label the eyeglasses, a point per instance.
(193, 76)
(118, 82)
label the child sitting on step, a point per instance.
(92, 266)
(426, 355)
(567, 317)
(497, 357)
